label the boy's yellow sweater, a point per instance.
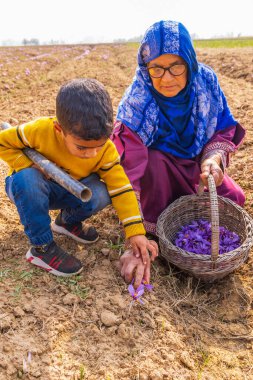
(42, 136)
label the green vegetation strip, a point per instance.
(216, 43)
(224, 43)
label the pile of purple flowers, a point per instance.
(196, 237)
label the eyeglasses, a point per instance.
(175, 70)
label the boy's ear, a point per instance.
(57, 126)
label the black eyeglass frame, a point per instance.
(167, 69)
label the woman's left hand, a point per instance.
(212, 165)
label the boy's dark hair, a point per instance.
(84, 109)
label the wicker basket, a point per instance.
(205, 206)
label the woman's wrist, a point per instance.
(219, 156)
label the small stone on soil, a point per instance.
(108, 318)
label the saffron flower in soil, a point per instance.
(27, 362)
(147, 286)
(196, 237)
(137, 293)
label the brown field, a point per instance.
(185, 330)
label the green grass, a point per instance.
(133, 44)
(19, 280)
(82, 373)
(239, 42)
(4, 273)
(224, 43)
(117, 246)
(205, 361)
(73, 286)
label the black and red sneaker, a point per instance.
(78, 231)
(54, 260)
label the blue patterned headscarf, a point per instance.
(182, 124)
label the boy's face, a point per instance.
(81, 148)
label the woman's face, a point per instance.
(168, 85)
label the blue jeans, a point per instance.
(34, 196)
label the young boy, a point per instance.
(77, 140)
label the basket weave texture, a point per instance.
(218, 210)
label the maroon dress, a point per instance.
(160, 178)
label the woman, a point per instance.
(173, 124)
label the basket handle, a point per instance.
(214, 215)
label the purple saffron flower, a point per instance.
(29, 357)
(196, 237)
(147, 286)
(136, 293)
(26, 363)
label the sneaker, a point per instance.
(54, 260)
(78, 231)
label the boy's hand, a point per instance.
(142, 247)
(133, 267)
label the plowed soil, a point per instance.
(84, 328)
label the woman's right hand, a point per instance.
(211, 165)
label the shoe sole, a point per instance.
(41, 264)
(63, 231)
